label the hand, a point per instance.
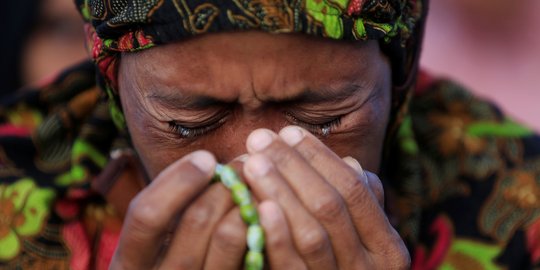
(318, 211)
(180, 222)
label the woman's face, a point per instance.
(210, 92)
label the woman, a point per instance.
(311, 123)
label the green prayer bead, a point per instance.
(255, 237)
(254, 260)
(217, 173)
(249, 214)
(240, 194)
(228, 176)
(219, 169)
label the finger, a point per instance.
(374, 184)
(279, 246)
(318, 196)
(310, 238)
(153, 209)
(228, 243)
(190, 242)
(238, 163)
(191, 239)
(369, 218)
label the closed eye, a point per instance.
(324, 128)
(186, 132)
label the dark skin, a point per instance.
(308, 118)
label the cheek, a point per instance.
(373, 149)
(365, 139)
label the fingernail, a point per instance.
(291, 135)
(257, 166)
(203, 160)
(353, 163)
(370, 175)
(259, 139)
(241, 158)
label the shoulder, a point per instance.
(40, 165)
(479, 179)
(472, 133)
(480, 174)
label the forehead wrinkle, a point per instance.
(175, 100)
(331, 93)
(135, 63)
(324, 94)
(151, 63)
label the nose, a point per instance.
(230, 147)
(232, 138)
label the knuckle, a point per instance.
(327, 207)
(403, 260)
(230, 236)
(400, 262)
(273, 191)
(282, 156)
(198, 216)
(167, 261)
(293, 265)
(312, 241)
(404, 263)
(276, 240)
(356, 191)
(376, 186)
(143, 216)
(277, 235)
(397, 254)
(310, 153)
(184, 262)
(281, 153)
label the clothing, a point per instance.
(468, 196)
(467, 182)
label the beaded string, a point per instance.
(254, 259)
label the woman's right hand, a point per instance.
(180, 222)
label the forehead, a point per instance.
(215, 62)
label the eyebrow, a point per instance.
(326, 94)
(176, 100)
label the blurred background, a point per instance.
(490, 46)
(42, 37)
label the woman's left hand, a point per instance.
(319, 211)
